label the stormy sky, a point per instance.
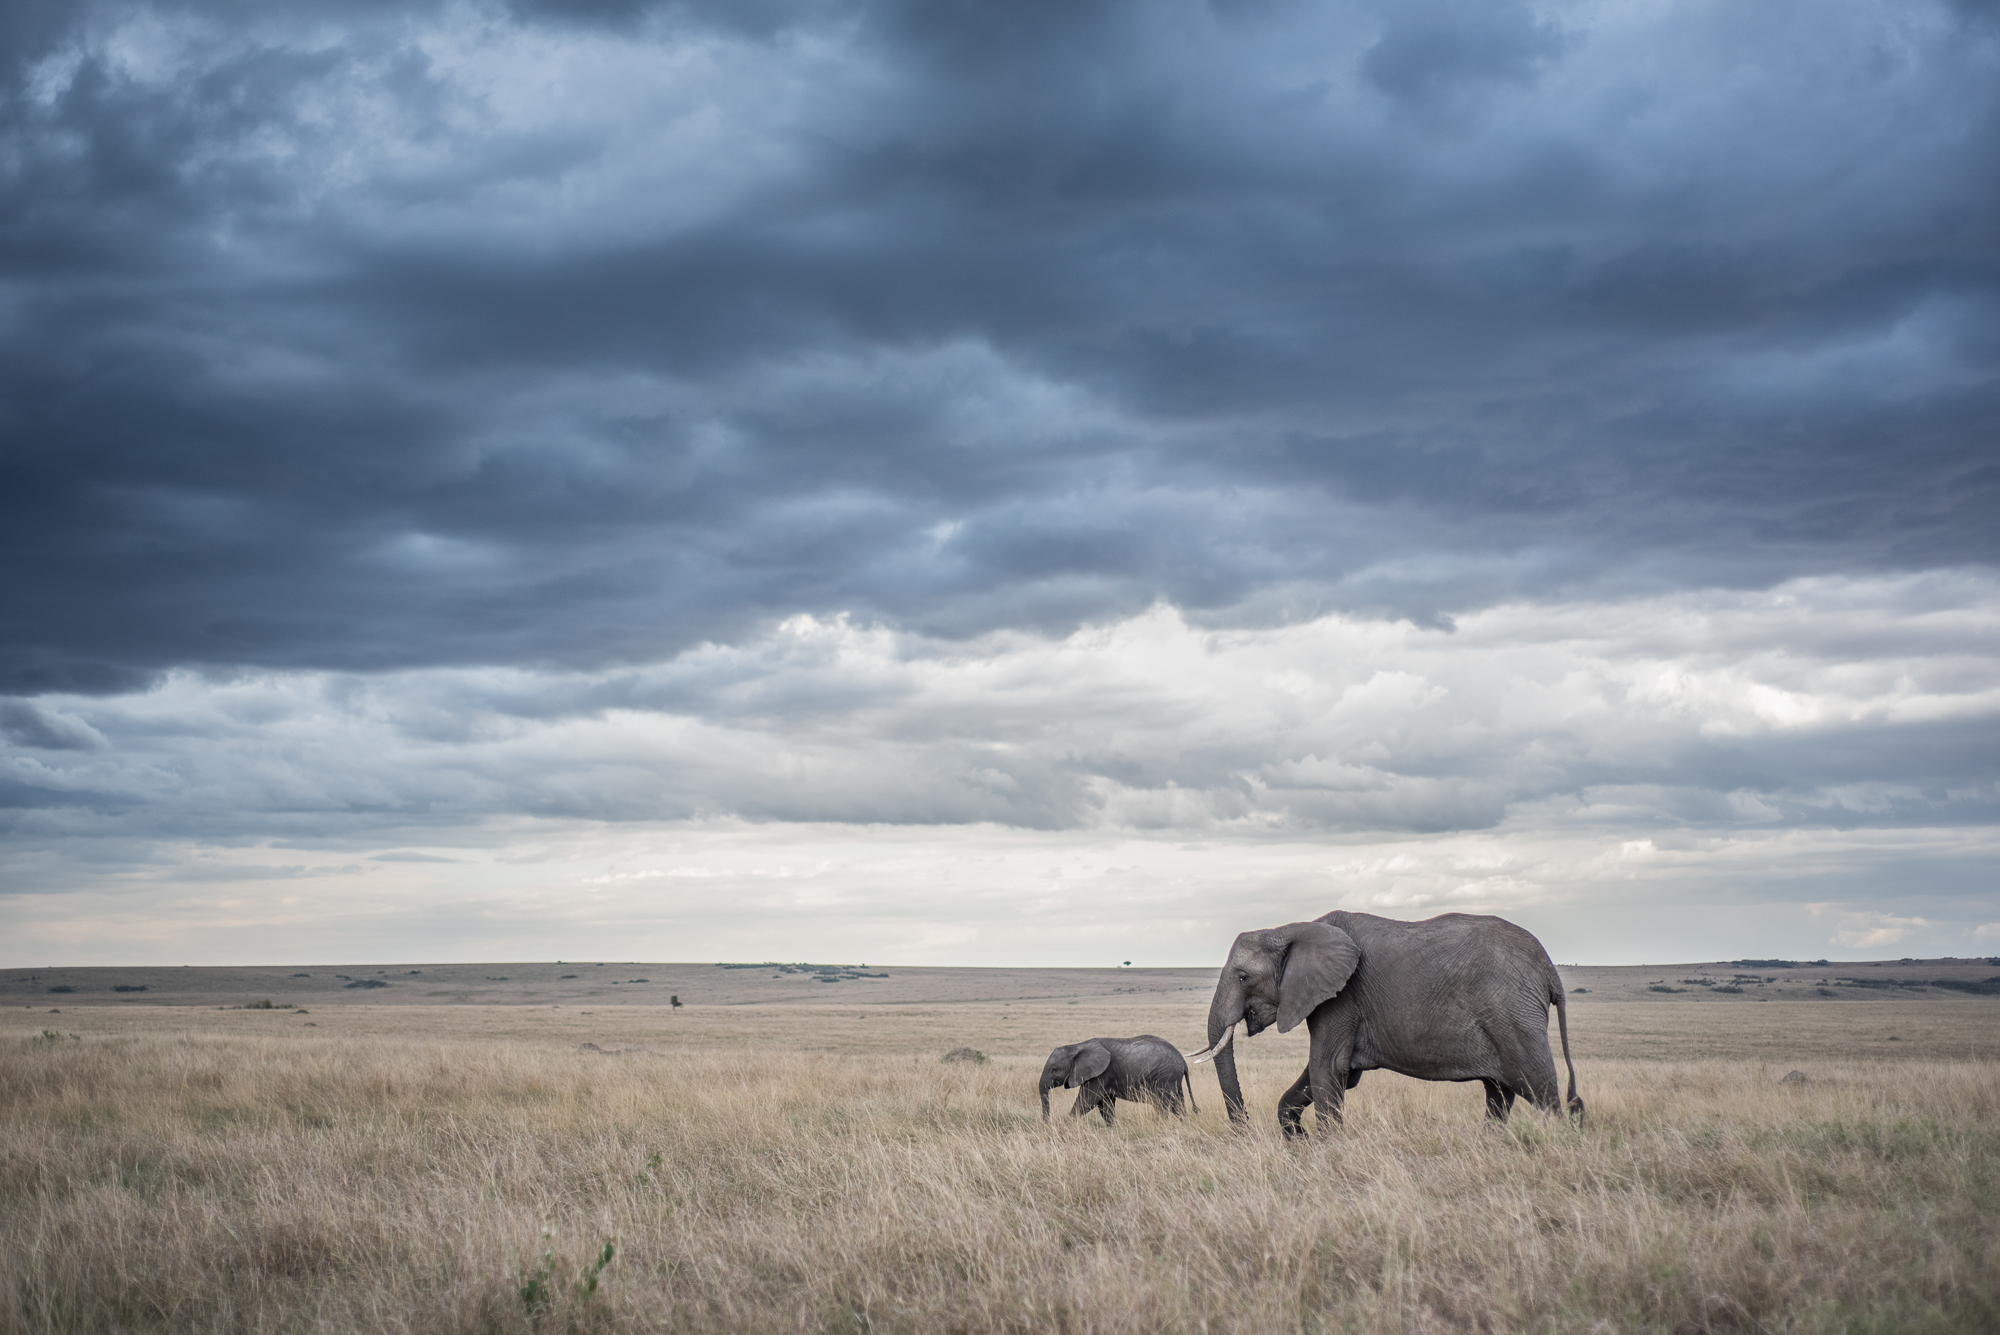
(996, 483)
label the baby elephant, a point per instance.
(1147, 1068)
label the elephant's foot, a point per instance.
(1292, 1105)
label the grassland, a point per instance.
(790, 1167)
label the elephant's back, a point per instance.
(1464, 942)
(1161, 1051)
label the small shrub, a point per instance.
(368, 982)
(62, 987)
(129, 987)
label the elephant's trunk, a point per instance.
(1048, 1083)
(1223, 1013)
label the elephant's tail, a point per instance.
(1559, 994)
(1188, 1076)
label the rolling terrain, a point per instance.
(637, 983)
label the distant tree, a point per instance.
(675, 1000)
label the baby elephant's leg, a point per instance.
(1092, 1094)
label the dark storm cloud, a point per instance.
(577, 334)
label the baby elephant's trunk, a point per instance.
(1048, 1083)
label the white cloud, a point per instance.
(1148, 723)
(1868, 930)
(1537, 760)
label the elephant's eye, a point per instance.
(1242, 977)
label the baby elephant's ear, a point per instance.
(1092, 1060)
(1321, 960)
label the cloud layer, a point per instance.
(1821, 703)
(360, 338)
(1286, 425)
(1822, 753)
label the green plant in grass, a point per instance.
(586, 1284)
(541, 1285)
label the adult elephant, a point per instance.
(1455, 997)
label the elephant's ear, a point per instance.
(1092, 1060)
(1318, 965)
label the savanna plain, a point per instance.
(805, 1161)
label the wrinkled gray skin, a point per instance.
(1456, 997)
(1103, 1070)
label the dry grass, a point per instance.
(243, 1178)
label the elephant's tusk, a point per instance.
(1208, 1053)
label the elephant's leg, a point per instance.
(1327, 1065)
(1293, 1105)
(1499, 1100)
(1329, 1090)
(1095, 1093)
(1538, 1082)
